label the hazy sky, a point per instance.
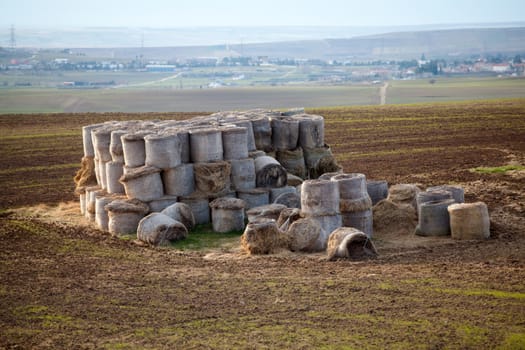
(175, 13)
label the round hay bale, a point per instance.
(457, 191)
(263, 237)
(350, 243)
(184, 142)
(114, 171)
(289, 199)
(351, 186)
(158, 229)
(163, 151)
(134, 149)
(355, 205)
(250, 139)
(469, 221)
(434, 219)
(303, 234)
(320, 197)
(293, 180)
(179, 181)
(143, 183)
(256, 154)
(377, 190)
(361, 220)
(287, 217)
(227, 214)
(101, 141)
(276, 192)
(86, 176)
(206, 145)
(91, 196)
(269, 172)
(403, 194)
(328, 224)
(243, 174)
(235, 143)
(254, 197)
(393, 218)
(319, 161)
(429, 196)
(285, 133)
(115, 145)
(159, 204)
(182, 213)
(199, 207)
(293, 111)
(329, 176)
(262, 133)
(101, 214)
(293, 161)
(89, 150)
(82, 200)
(125, 215)
(311, 130)
(270, 211)
(212, 177)
(100, 172)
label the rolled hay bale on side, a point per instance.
(158, 229)
(179, 181)
(262, 133)
(263, 237)
(212, 178)
(114, 171)
(206, 145)
(243, 174)
(320, 197)
(89, 150)
(311, 130)
(162, 151)
(182, 213)
(320, 161)
(159, 204)
(393, 218)
(292, 180)
(403, 194)
(199, 207)
(328, 224)
(254, 197)
(287, 217)
(115, 145)
(125, 215)
(134, 149)
(86, 176)
(457, 191)
(377, 190)
(285, 133)
(469, 221)
(350, 243)
(227, 214)
(234, 142)
(270, 211)
(289, 199)
(434, 219)
(293, 161)
(429, 196)
(143, 183)
(303, 234)
(269, 172)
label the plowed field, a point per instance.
(65, 285)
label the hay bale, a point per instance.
(457, 191)
(89, 150)
(163, 151)
(311, 130)
(91, 196)
(262, 133)
(234, 143)
(293, 161)
(328, 224)
(429, 196)
(263, 237)
(243, 174)
(393, 218)
(158, 229)
(206, 145)
(125, 215)
(115, 145)
(86, 176)
(103, 180)
(182, 213)
(377, 190)
(351, 186)
(285, 133)
(101, 140)
(227, 214)
(269, 172)
(469, 221)
(134, 149)
(434, 219)
(355, 205)
(276, 192)
(350, 243)
(403, 194)
(254, 197)
(114, 171)
(184, 142)
(287, 217)
(319, 197)
(256, 154)
(361, 220)
(250, 138)
(289, 199)
(270, 211)
(199, 207)
(101, 214)
(159, 204)
(303, 234)
(82, 202)
(212, 177)
(319, 161)
(292, 180)
(143, 183)
(179, 181)
(329, 176)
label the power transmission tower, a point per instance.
(12, 41)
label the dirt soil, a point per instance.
(64, 284)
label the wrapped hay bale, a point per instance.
(158, 229)
(82, 200)
(287, 217)
(350, 243)
(469, 221)
(394, 218)
(429, 196)
(182, 213)
(179, 181)
(125, 215)
(320, 197)
(329, 176)
(206, 145)
(250, 138)
(263, 237)
(115, 145)
(303, 235)
(377, 190)
(89, 150)
(403, 194)
(243, 174)
(262, 133)
(311, 130)
(276, 192)
(227, 214)
(434, 219)
(101, 142)
(101, 214)
(199, 207)
(212, 178)
(293, 180)
(91, 197)
(143, 183)
(289, 199)
(134, 149)
(114, 171)
(256, 154)
(269, 172)
(351, 186)
(293, 161)
(184, 142)
(159, 204)
(285, 133)
(457, 191)
(270, 211)
(103, 180)
(162, 151)
(86, 176)
(362, 220)
(328, 224)
(234, 143)
(254, 197)
(320, 160)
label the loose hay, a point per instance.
(263, 237)
(287, 217)
(85, 176)
(394, 218)
(403, 194)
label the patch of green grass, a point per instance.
(472, 336)
(513, 341)
(203, 237)
(500, 294)
(498, 169)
